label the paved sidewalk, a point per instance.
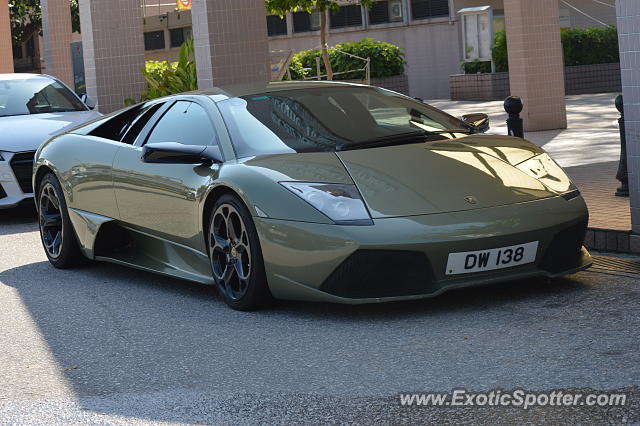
(589, 150)
(597, 186)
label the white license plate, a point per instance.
(491, 259)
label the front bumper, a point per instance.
(405, 257)
(15, 179)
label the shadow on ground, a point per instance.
(114, 330)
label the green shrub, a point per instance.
(167, 78)
(581, 46)
(586, 46)
(386, 60)
(303, 64)
(476, 67)
(499, 51)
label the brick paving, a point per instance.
(598, 184)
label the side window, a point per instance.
(139, 122)
(185, 122)
(119, 126)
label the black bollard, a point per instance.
(622, 175)
(513, 105)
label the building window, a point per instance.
(17, 52)
(31, 47)
(178, 36)
(498, 20)
(276, 25)
(347, 16)
(421, 9)
(382, 12)
(305, 21)
(154, 40)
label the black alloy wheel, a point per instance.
(235, 255)
(56, 232)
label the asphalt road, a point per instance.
(113, 345)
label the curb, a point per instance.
(612, 240)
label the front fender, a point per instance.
(268, 195)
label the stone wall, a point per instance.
(478, 87)
(597, 78)
(628, 35)
(397, 83)
(581, 79)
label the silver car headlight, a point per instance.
(342, 203)
(547, 171)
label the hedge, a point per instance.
(581, 46)
(386, 60)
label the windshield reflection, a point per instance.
(36, 95)
(326, 119)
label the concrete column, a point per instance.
(113, 48)
(231, 42)
(56, 29)
(629, 37)
(536, 69)
(6, 52)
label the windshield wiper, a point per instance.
(440, 132)
(397, 139)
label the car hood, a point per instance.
(27, 132)
(435, 177)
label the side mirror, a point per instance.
(90, 103)
(177, 153)
(478, 122)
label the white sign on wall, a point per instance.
(477, 33)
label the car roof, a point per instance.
(237, 90)
(22, 76)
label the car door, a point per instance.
(163, 199)
(91, 153)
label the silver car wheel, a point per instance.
(50, 219)
(230, 251)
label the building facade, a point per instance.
(429, 31)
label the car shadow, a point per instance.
(113, 331)
(467, 299)
(19, 219)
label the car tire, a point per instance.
(235, 255)
(56, 232)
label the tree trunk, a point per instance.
(323, 43)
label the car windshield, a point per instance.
(37, 95)
(330, 118)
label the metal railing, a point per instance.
(366, 69)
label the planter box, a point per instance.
(580, 79)
(479, 87)
(397, 83)
(598, 78)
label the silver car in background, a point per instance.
(33, 108)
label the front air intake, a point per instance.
(564, 251)
(381, 273)
(22, 166)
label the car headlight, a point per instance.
(547, 171)
(342, 203)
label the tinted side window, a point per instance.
(117, 126)
(139, 122)
(185, 122)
